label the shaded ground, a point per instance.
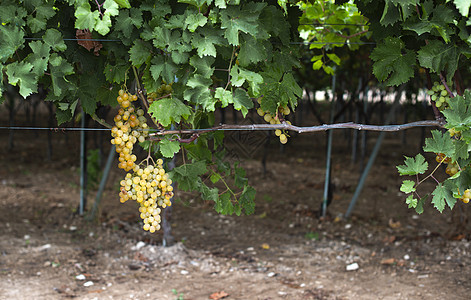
(282, 251)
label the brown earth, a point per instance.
(283, 251)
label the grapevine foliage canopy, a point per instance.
(213, 53)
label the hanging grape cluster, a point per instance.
(152, 189)
(163, 91)
(439, 95)
(452, 167)
(269, 118)
(130, 128)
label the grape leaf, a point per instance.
(59, 68)
(411, 201)
(127, 20)
(440, 143)
(438, 57)
(139, 52)
(224, 96)
(44, 11)
(458, 116)
(11, 39)
(193, 21)
(390, 64)
(224, 204)
(251, 50)
(168, 110)
(53, 38)
(413, 166)
(116, 73)
(39, 57)
(463, 6)
(440, 194)
(242, 101)
(240, 75)
(169, 148)
(233, 20)
(19, 73)
(163, 67)
(103, 25)
(205, 39)
(420, 205)
(187, 175)
(408, 186)
(203, 65)
(85, 18)
(123, 3)
(246, 200)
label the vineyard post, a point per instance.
(83, 166)
(374, 153)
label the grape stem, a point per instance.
(286, 126)
(442, 79)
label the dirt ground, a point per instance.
(283, 251)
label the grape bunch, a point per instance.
(163, 91)
(439, 95)
(452, 167)
(269, 118)
(466, 196)
(130, 128)
(152, 189)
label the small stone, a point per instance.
(80, 277)
(184, 272)
(138, 246)
(352, 267)
(271, 274)
(406, 257)
(88, 283)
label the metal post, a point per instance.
(104, 179)
(83, 167)
(329, 151)
(372, 159)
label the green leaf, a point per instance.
(240, 75)
(187, 175)
(123, 3)
(43, 12)
(390, 15)
(39, 57)
(391, 65)
(53, 38)
(111, 8)
(413, 166)
(59, 68)
(194, 21)
(203, 65)
(85, 18)
(169, 148)
(438, 57)
(463, 6)
(127, 20)
(168, 110)
(408, 186)
(251, 51)
(163, 67)
(439, 195)
(199, 92)
(234, 20)
(140, 52)
(205, 41)
(224, 96)
(19, 73)
(411, 201)
(103, 25)
(246, 200)
(440, 143)
(420, 205)
(11, 39)
(116, 73)
(242, 101)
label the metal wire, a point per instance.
(93, 40)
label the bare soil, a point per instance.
(282, 251)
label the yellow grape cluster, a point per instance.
(452, 167)
(269, 118)
(466, 196)
(130, 128)
(162, 91)
(439, 95)
(152, 189)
